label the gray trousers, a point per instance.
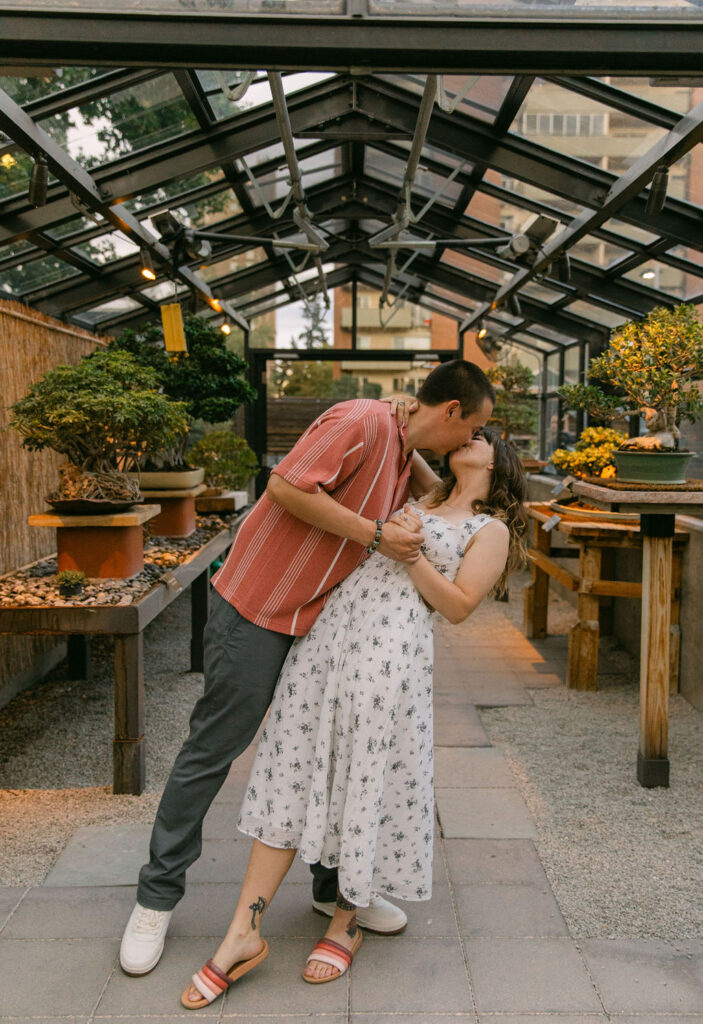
(242, 665)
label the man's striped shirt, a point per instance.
(280, 570)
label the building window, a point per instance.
(563, 124)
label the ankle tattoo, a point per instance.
(343, 903)
(257, 908)
(351, 928)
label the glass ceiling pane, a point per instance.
(562, 8)
(30, 277)
(606, 317)
(580, 127)
(676, 98)
(637, 234)
(478, 96)
(173, 189)
(126, 121)
(598, 252)
(666, 279)
(44, 82)
(205, 6)
(685, 178)
(107, 248)
(538, 195)
(478, 268)
(541, 292)
(223, 268)
(109, 310)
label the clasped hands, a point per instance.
(402, 537)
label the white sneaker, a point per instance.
(143, 939)
(380, 915)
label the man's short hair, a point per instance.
(457, 380)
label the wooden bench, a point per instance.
(126, 623)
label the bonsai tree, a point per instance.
(650, 367)
(99, 414)
(592, 454)
(227, 459)
(208, 379)
(516, 408)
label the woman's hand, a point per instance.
(402, 537)
(401, 407)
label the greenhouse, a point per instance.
(220, 219)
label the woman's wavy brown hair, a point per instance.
(506, 501)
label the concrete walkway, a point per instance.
(491, 945)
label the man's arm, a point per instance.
(322, 511)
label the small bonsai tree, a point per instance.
(227, 459)
(99, 413)
(70, 582)
(515, 409)
(650, 367)
(208, 379)
(592, 454)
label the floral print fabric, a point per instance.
(344, 769)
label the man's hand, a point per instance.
(402, 537)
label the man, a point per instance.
(327, 505)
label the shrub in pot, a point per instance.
(592, 454)
(227, 459)
(515, 409)
(651, 366)
(208, 379)
(70, 582)
(99, 413)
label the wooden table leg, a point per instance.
(79, 661)
(128, 746)
(675, 628)
(584, 638)
(537, 593)
(657, 543)
(199, 611)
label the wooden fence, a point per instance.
(30, 344)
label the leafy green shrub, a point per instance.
(516, 404)
(70, 578)
(227, 459)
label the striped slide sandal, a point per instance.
(210, 981)
(327, 951)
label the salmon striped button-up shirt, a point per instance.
(280, 570)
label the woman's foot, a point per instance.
(348, 937)
(232, 951)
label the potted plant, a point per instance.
(98, 413)
(592, 454)
(70, 582)
(515, 409)
(208, 379)
(227, 460)
(651, 368)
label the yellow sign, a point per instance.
(172, 321)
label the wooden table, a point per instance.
(593, 542)
(657, 511)
(126, 623)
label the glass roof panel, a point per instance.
(29, 277)
(45, 82)
(478, 96)
(606, 317)
(109, 310)
(562, 8)
(541, 292)
(172, 190)
(486, 271)
(685, 178)
(686, 253)
(663, 93)
(126, 121)
(107, 248)
(74, 226)
(536, 195)
(583, 128)
(637, 234)
(206, 6)
(232, 264)
(667, 279)
(597, 251)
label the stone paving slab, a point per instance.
(411, 1018)
(72, 975)
(10, 895)
(646, 975)
(509, 910)
(72, 913)
(496, 691)
(530, 976)
(102, 855)
(225, 860)
(484, 814)
(542, 1018)
(424, 975)
(458, 768)
(490, 861)
(457, 724)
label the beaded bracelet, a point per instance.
(377, 537)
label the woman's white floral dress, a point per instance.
(344, 769)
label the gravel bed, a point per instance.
(623, 861)
(36, 584)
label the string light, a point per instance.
(147, 265)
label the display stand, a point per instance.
(177, 515)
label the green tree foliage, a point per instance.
(227, 459)
(650, 364)
(209, 379)
(516, 404)
(99, 412)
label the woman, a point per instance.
(343, 773)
